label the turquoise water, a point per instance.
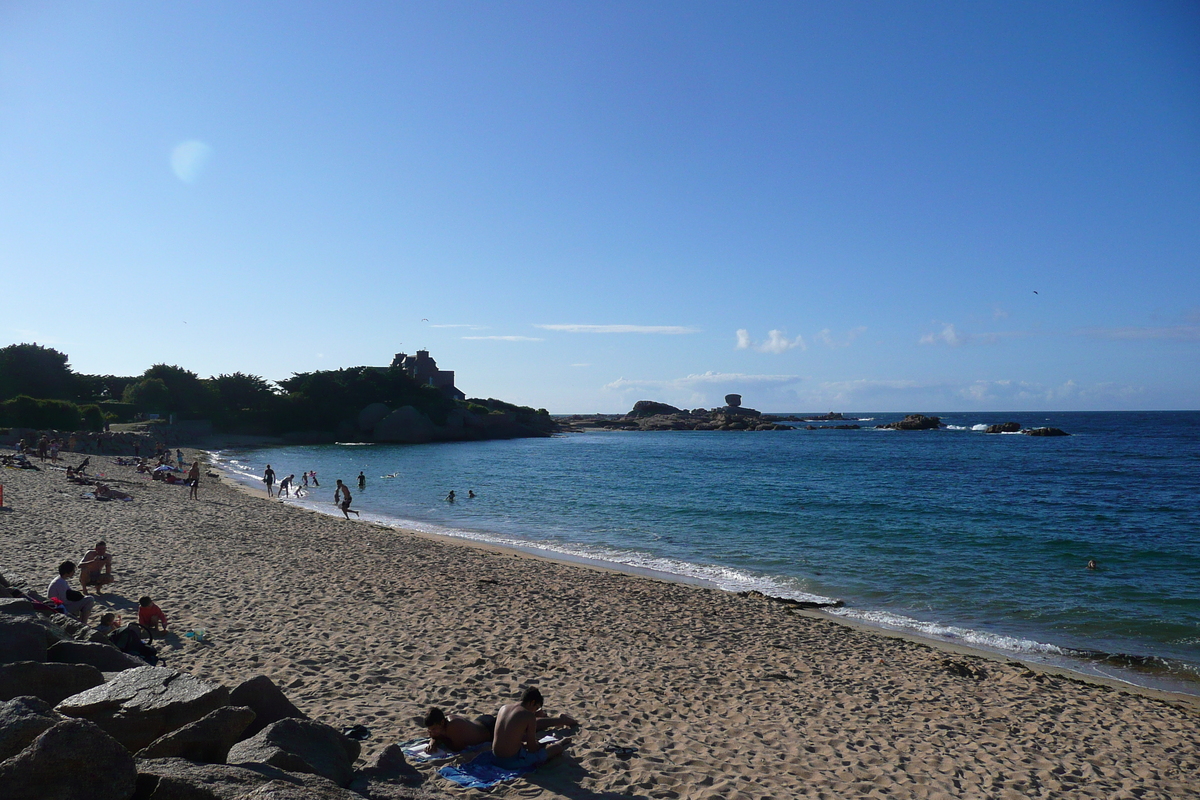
(952, 534)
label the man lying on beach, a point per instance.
(456, 732)
(96, 567)
(515, 742)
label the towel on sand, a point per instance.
(481, 773)
(416, 751)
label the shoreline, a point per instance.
(720, 695)
(1064, 663)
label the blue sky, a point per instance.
(822, 206)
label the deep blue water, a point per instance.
(953, 534)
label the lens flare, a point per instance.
(188, 160)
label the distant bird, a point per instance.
(1035, 291)
(424, 320)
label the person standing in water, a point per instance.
(344, 491)
(362, 481)
(450, 497)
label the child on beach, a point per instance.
(150, 615)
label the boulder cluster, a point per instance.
(914, 422)
(81, 719)
(648, 415)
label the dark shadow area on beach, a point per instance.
(564, 777)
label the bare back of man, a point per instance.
(458, 733)
(518, 728)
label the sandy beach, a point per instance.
(720, 695)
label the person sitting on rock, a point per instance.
(75, 603)
(456, 732)
(96, 567)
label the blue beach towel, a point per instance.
(482, 773)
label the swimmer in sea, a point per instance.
(450, 497)
(470, 494)
(362, 481)
(1092, 564)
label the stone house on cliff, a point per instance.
(422, 368)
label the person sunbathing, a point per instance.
(456, 732)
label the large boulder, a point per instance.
(914, 422)
(207, 740)
(405, 425)
(179, 779)
(370, 416)
(21, 640)
(649, 408)
(1045, 432)
(1004, 427)
(139, 705)
(300, 745)
(103, 657)
(22, 720)
(266, 700)
(71, 760)
(49, 681)
(16, 606)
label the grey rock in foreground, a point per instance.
(269, 703)
(22, 720)
(179, 779)
(49, 681)
(22, 639)
(139, 705)
(207, 740)
(103, 657)
(71, 760)
(300, 745)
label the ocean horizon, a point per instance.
(953, 535)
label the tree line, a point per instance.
(38, 389)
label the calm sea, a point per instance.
(953, 534)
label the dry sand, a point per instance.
(723, 696)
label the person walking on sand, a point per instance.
(269, 479)
(344, 490)
(515, 742)
(194, 477)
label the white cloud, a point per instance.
(581, 365)
(1178, 333)
(951, 336)
(505, 338)
(701, 379)
(671, 330)
(776, 342)
(825, 337)
(948, 335)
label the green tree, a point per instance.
(36, 371)
(187, 395)
(150, 396)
